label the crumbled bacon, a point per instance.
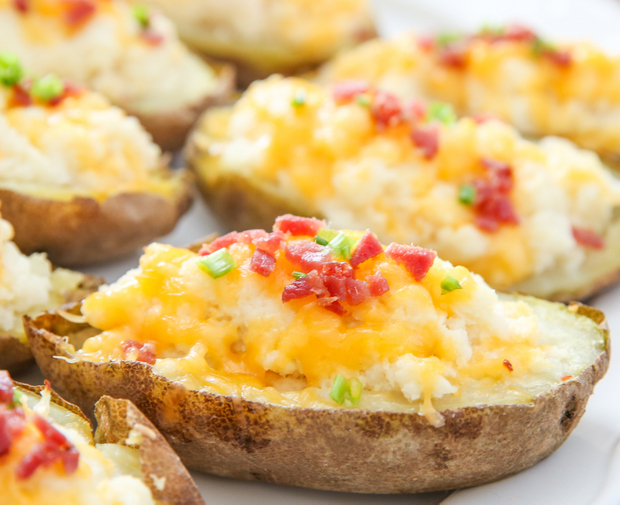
(337, 268)
(335, 286)
(296, 225)
(6, 387)
(308, 255)
(416, 260)
(427, 140)
(143, 352)
(346, 91)
(262, 263)
(271, 242)
(559, 57)
(357, 291)
(21, 95)
(499, 173)
(377, 284)
(483, 118)
(152, 38)
(426, 43)
(415, 110)
(386, 109)
(453, 57)
(367, 247)
(21, 5)
(588, 238)
(219, 243)
(332, 305)
(518, 33)
(297, 289)
(12, 422)
(508, 365)
(251, 236)
(78, 11)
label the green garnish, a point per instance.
(217, 264)
(47, 88)
(299, 99)
(449, 284)
(320, 240)
(299, 275)
(467, 194)
(492, 30)
(442, 112)
(142, 15)
(325, 234)
(363, 100)
(10, 69)
(17, 396)
(341, 245)
(355, 390)
(344, 389)
(539, 46)
(445, 39)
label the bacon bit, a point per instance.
(367, 247)
(12, 423)
(500, 174)
(427, 140)
(152, 38)
(566, 378)
(220, 243)
(377, 284)
(77, 12)
(336, 287)
(297, 289)
(308, 255)
(559, 57)
(144, 352)
(250, 236)
(270, 243)
(332, 305)
(518, 33)
(262, 263)
(21, 95)
(426, 43)
(508, 365)
(339, 269)
(453, 57)
(21, 6)
(316, 284)
(416, 260)
(483, 118)
(6, 387)
(415, 110)
(357, 291)
(346, 91)
(386, 109)
(588, 238)
(296, 225)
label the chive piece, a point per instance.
(445, 39)
(320, 240)
(47, 88)
(10, 69)
(363, 100)
(142, 15)
(326, 234)
(442, 112)
(299, 275)
(17, 396)
(217, 264)
(299, 99)
(467, 194)
(539, 46)
(339, 389)
(341, 245)
(449, 284)
(355, 390)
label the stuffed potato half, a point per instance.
(411, 374)
(50, 456)
(539, 218)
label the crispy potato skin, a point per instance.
(382, 452)
(83, 231)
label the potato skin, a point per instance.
(83, 231)
(350, 450)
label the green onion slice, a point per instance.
(363, 100)
(355, 390)
(17, 395)
(341, 245)
(339, 389)
(299, 99)
(217, 264)
(299, 275)
(325, 234)
(445, 39)
(539, 46)
(449, 284)
(142, 15)
(467, 194)
(442, 112)
(10, 69)
(320, 240)
(47, 88)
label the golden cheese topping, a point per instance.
(281, 326)
(570, 90)
(476, 192)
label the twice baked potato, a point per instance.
(540, 218)
(271, 36)
(134, 58)
(79, 179)
(540, 87)
(49, 455)
(391, 370)
(29, 285)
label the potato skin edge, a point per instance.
(346, 449)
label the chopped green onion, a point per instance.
(339, 389)
(17, 396)
(442, 112)
(540, 46)
(355, 390)
(326, 234)
(47, 88)
(142, 15)
(299, 99)
(341, 245)
(10, 69)
(217, 264)
(467, 194)
(363, 100)
(299, 275)
(492, 30)
(320, 240)
(445, 39)
(449, 284)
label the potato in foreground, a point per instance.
(538, 218)
(408, 372)
(49, 456)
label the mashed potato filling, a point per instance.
(411, 346)
(361, 164)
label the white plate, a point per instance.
(586, 469)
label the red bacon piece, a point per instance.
(415, 110)
(308, 255)
(518, 33)
(386, 109)
(500, 174)
(78, 11)
(453, 57)
(6, 387)
(262, 263)
(296, 225)
(297, 289)
(271, 242)
(377, 284)
(21, 5)
(332, 305)
(336, 287)
(426, 43)
(484, 117)
(559, 57)
(367, 247)
(416, 260)
(427, 140)
(152, 38)
(346, 91)
(12, 423)
(339, 269)
(588, 238)
(145, 352)
(220, 243)
(357, 291)
(251, 236)
(21, 95)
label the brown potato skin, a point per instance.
(350, 450)
(83, 231)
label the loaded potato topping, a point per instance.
(43, 461)
(58, 140)
(510, 72)
(472, 189)
(131, 55)
(315, 317)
